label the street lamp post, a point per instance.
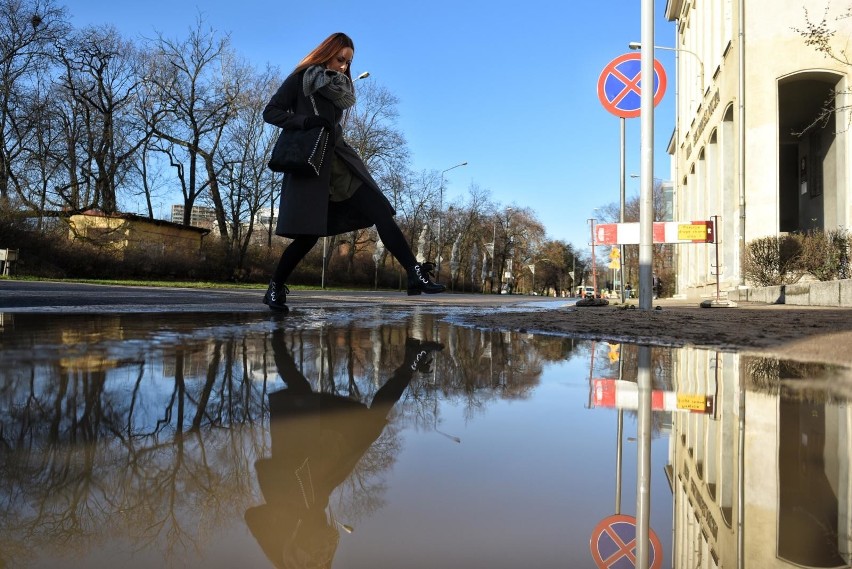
(440, 217)
(531, 267)
(493, 250)
(363, 75)
(592, 222)
(510, 241)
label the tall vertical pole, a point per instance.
(716, 247)
(643, 459)
(510, 243)
(493, 250)
(573, 272)
(324, 256)
(440, 232)
(594, 268)
(619, 449)
(646, 193)
(621, 203)
(441, 216)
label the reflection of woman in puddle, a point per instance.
(317, 440)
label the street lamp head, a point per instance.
(363, 75)
(635, 45)
(453, 167)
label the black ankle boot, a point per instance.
(420, 280)
(418, 354)
(276, 296)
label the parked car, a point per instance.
(589, 292)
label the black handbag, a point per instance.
(300, 151)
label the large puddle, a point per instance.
(389, 438)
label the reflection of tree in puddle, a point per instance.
(97, 453)
(134, 431)
(800, 380)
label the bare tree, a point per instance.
(247, 144)
(35, 168)
(468, 223)
(561, 267)
(196, 97)
(819, 35)
(99, 82)
(28, 29)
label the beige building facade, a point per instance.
(123, 231)
(749, 145)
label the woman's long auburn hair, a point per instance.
(324, 52)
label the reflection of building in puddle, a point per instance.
(89, 363)
(763, 480)
(77, 356)
(759, 455)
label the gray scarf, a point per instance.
(333, 85)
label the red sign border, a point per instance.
(610, 67)
(607, 522)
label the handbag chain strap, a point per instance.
(331, 132)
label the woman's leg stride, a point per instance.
(419, 278)
(276, 294)
(291, 256)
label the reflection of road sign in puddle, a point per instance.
(622, 394)
(613, 544)
(700, 403)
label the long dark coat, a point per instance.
(305, 206)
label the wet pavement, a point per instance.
(192, 428)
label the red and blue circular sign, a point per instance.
(613, 544)
(620, 85)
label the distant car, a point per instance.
(589, 292)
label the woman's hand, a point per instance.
(314, 121)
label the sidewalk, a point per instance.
(820, 293)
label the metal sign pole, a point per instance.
(621, 209)
(643, 459)
(646, 196)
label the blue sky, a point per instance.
(509, 87)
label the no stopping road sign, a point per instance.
(613, 544)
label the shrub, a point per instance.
(772, 261)
(825, 254)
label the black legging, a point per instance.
(389, 232)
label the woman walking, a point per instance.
(344, 196)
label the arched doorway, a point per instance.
(808, 156)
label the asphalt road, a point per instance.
(44, 296)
